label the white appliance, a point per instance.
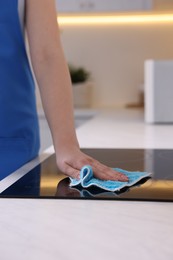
(158, 91)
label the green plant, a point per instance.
(78, 74)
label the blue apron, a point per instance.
(19, 130)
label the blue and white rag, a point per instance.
(87, 179)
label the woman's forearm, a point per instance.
(56, 92)
(51, 70)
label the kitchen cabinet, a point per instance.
(91, 6)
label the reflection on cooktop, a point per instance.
(46, 181)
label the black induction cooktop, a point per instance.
(46, 180)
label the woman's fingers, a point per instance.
(102, 171)
(106, 173)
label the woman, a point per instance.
(19, 132)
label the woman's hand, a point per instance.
(71, 161)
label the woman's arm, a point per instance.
(54, 82)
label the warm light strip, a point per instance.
(115, 19)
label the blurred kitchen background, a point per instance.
(123, 45)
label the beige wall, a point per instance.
(115, 56)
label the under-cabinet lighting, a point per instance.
(114, 19)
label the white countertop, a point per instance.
(79, 229)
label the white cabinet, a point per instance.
(66, 6)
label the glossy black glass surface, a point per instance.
(46, 181)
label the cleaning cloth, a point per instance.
(87, 179)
